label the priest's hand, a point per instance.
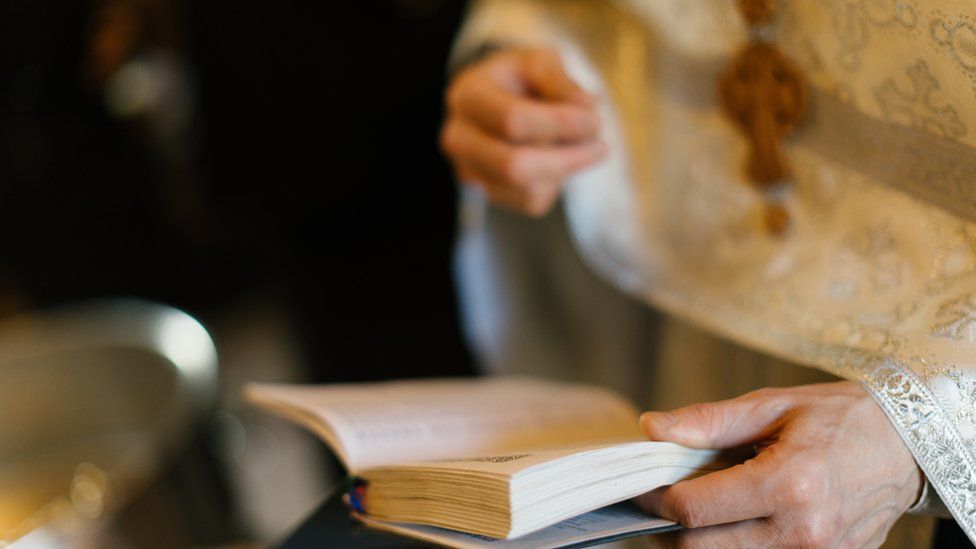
(830, 470)
(518, 126)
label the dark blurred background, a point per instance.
(269, 167)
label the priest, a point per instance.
(790, 183)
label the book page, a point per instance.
(511, 464)
(397, 422)
(611, 523)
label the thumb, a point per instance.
(546, 77)
(725, 424)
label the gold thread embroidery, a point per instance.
(915, 108)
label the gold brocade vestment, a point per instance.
(875, 280)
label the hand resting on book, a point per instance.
(829, 470)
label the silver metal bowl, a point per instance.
(93, 398)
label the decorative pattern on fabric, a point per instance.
(873, 282)
(931, 436)
(869, 280)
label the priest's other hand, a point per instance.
(518, 126)
(830, 470)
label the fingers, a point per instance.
(751, 533)
(725, 424)
(519, 126)
(518, 118)
(731, 495)
(517, 165)
(546, 77)
(526, 178)
(829, 476)
(534, 200)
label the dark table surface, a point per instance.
(331, 526)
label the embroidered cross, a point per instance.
(765, 96)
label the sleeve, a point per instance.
(929, 503)
(492, 23)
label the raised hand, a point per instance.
(518, 126)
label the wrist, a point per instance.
(906, 475)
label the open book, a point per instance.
(481, 461)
